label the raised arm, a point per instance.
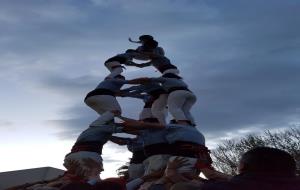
(133, 91)
(139, 125)
(158, 79)
(141, 80)
(132, 88)
(140, 65)
(133, 94)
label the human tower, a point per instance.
(156, 142)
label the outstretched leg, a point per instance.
(176, 101)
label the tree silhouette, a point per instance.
(226, 156)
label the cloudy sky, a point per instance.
(240, 57)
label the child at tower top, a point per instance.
(149, 45)
(150, 50)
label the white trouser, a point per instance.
(103, 105)
(158, 108)
(113, 71)
(145, 113)
(173, 71)
(189, 165)
(180, 103)
(155, 162)
(135, 171)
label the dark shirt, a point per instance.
(251, 181)
(162, 64)
(121, 58)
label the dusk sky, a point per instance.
(240, 57)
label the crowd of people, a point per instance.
(165, 155)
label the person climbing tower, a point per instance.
(179, 98)
(150, 51)
(148, 45)
(115, 63)
(156, 99)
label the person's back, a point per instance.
(262, 168)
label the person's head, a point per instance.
(145, 38)
(267, 160)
